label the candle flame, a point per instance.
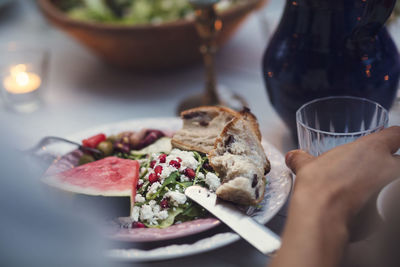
(20, 81)
(20, 75)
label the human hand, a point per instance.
(329, 191)
(343, 179)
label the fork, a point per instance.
(53, 139)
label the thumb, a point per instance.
(296, 159)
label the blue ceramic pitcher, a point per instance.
(331, 47)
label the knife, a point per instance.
(256, 234)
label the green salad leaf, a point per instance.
(132, 12)
(170, 180)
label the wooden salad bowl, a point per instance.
(146, 47)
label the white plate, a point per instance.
(385, 196)
(278, 190)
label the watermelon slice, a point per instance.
(109, 177)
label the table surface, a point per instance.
(82, 92)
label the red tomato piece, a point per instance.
(94, 141)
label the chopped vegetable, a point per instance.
(106, 147)
(94, 141)
(86, 159)
(132, 12)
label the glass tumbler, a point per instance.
(325, 123)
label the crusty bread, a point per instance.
(239, 159)
(251, 118)
(202, 126)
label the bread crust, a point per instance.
(252, 119)
(186, 115)
(234, 188)
(210, 108)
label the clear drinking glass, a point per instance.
(325, 123)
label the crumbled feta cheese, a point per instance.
(153, 188)
(135, 213)
(184, 178)
(140, 181)
(150, 213)
(146, 214)
(176, 197)
(212, 181)
(139, 198)
(142, 170)
(156, 209)
(187, 157)
(169, 158)
(162, 215)
(200, 176)
(167, 170)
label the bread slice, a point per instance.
(252, 119)
(239, 159)
(203, 125)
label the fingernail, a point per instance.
(288, 157)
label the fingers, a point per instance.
(296, 159)
(390, 137)
(396, 164)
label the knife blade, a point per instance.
(256, 234)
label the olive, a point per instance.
(112, 138)
(124, 134)
(150, 138)
(106, 147)
(85, 158)
(124, 148)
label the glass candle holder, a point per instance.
(325, 123)
(22, 77)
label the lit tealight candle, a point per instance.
(20, 81)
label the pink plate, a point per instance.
(155, 234)
(71, 159)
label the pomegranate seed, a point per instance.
(152, 163)
(153, 177)
(138, 225)
(164, 203)
(158, 169)
(175, 164)
(138, 186)
(162, 158)
(179, 159)
(190, 173)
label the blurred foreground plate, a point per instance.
(4, 2)
(387, 199)
(277, 192)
